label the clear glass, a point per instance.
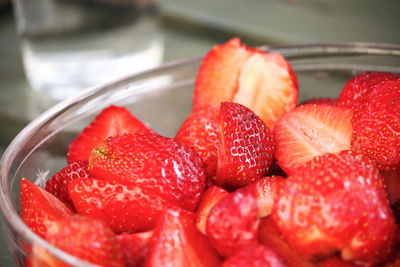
(162, 99)
(68, 46)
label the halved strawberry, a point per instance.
(112, 121)
(337, 202)
(270, 236)
(357, 87)
(200, 130)
(87, 239)
(376, 125)
(256, 256)
(152, 163)
(177, 242)
(262, 81)
(264, 192)
(321, 100)
(125, 208)
(58, 184)
(232, 223)
(39, 208)
(246, 148)
(135, 247)
(311, 130)
(210, 197)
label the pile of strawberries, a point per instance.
(250, 179)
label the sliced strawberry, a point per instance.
(376, 125)
(39, 208)
(152, 163)
(177, 242)
(268, 86)
(210, 197)
(87, 239)
(200, 130)
(125, 208)
(58, 184)
(135, 247)
(255, 256)
(232, 223)
(112, 121)
(246, 148)
(357, 87)
(262, 81)
(270, 236)
(309, 131)
(321, 100)
(337, 202)
(217, 78)
(264, 190)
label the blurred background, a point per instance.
(51, 49)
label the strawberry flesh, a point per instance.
(264, 192)
(135, 247)
(39, 208)
(311, 130)
(112, 121)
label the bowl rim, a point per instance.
(9, 213)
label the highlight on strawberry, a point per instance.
(250, 179)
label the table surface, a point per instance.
(190, 28)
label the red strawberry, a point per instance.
(58, 184)
(125, 208)
(357, 87)
(335, 262)
(135, 247)
(155, 164)
(262, 81)
(39, 208)
(246, 148)
(264, 190)
(270, 236)
(337, 202)
(392, 182)
(210, 197)
(376, 125)
(112, 121)
(177, 242)
(309, 131)
(255, 256)
(87, 239)
(200, 130)
(323, 100)
(232, 223)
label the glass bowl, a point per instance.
(162, 99)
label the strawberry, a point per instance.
(246, 147)
(357, 87)
(319, 100)
(337, 202)
(376, 125)
(210, 197)
(135, 247)
(39, 208)
(262, 81)
(311, 130)
(177, 242)
(335, 262)
(155, 164)
(264, 190)
(125, 208)
(112, 121)
(200, 130)
(392, 184)
(255, 256)
(58, 184)
(232, 223)
(270, 236)
(87, 239)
